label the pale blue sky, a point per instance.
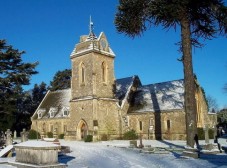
(49, 29)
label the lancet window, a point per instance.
(104, 72)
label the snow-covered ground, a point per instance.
(117, 154)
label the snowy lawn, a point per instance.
(117, 154)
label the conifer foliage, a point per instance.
(27, 103)
(196, 18)
(61, 80)
(13, 74)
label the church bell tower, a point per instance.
(93, 105)
(92, 67)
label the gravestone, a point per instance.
(133, 143)
(15, 134)
(7, 151)
(2, 138)
(141, 141)
(55, 135)
(42, 134)
(24, 135)
(9, 140)
(37, 154)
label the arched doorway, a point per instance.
(82, 130)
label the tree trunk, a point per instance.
(189, 83)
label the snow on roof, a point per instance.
(122, 86)
(159, 97)
(148, 98)
(92, 43)
(55, 99)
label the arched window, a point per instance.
(104, 72)
(168, 124)
(82, 73)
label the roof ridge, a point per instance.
(163, 82)
(133, 76)
(60, 90)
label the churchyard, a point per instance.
(51, 152)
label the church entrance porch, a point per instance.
(82, 130)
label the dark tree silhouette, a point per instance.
(13, 74)
(61, 80)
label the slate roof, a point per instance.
(156, 97)
(55, 99)
(159, 97)
(122, 86)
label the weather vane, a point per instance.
(91, 26)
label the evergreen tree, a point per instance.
(13, 74)
(22, 106)
(27, 103)
(196, 18)
(222, 117)
(61, 80)
(38, 93)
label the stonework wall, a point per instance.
(202, 110)
(93, 85)
(104, 89)
(142, 125)
(82, 89)
(173, 125)
(101, 117)
(108, 118)
(81, 110)
(154, 127)
(48, 125)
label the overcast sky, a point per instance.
(49, 29)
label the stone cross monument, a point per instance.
(24, 135)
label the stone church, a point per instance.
(98, 104)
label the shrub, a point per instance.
(130, 135)
(33, 134)
(50, 135)
(61, 136)
(88, 138)
(211, 133)
(201, 134)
